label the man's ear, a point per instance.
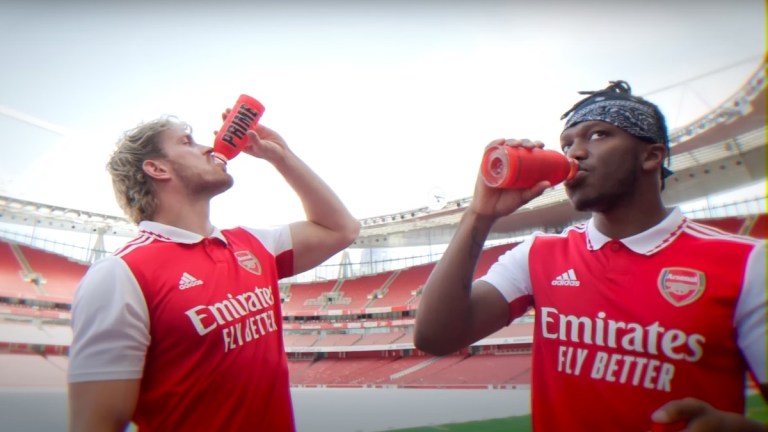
(654, 156)
(156, 169)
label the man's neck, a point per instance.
(625, 221)
(189, 216)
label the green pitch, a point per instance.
(509, 424)
(756, 409)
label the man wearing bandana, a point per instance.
(645, 320)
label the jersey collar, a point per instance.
(647, 242)
(177, 235)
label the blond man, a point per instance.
(181, 329)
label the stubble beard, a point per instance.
(200, 185)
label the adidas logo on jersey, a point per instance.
(566, 279)
(188, 281)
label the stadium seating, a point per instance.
(370, 371)
(300, 340)
(380, 338)
(490, 256)
(753, 225)
(498, 362)
(356, 292)
(459, 370)
(307, 297)
(355, 369)
(296, 369)
(340, 339)
(486, 369)
(11, 274)
(60, 274)
(513, 330)
(324, 372)
(349, 371)
(430, 366)
(385, 368)
(759, 228)
(401, 290)
(728, 224)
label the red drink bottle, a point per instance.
(507, 167)
(232, 136)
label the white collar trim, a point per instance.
(647, 242)
(173, 234)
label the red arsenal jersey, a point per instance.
(622, 327)
(198, 320)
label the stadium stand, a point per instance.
(300, 340)
(462, 370)
(403, 290)
(323, 372)
(751, 225)
(367, 371)
(384, 369)
(490, 256)
(356, 294)
(380, 338)
(59, 275)
(358, 349)
(417, 374)
(485, 370)
(12, 274)
(759, 227)
(370, 371)
(340, 339)
(513, 331)
(306, 297)
(296, 370)
(728, 224)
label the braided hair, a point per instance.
(615, 104)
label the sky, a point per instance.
(387, 101)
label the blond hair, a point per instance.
(133, 188)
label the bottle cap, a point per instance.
(510, 167)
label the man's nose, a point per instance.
(577, 150)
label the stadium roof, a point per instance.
(722, 150)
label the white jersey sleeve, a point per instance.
(510, 274)
(276, 239)
(110, 324)
(750, 316)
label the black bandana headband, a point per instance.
(616, 105)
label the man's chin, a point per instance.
(578, 206)
(573, 197)
(581, 203)
(222, 186)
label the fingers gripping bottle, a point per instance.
(507, 167)
(231, 139)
